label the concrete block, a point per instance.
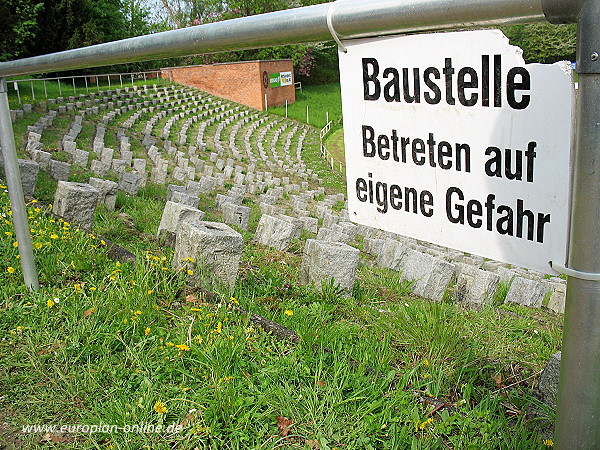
(129, 182)
(107, 191)
(234, 214)
(59, 170)
(324, 261)
(214, 247)
(76, 202)
(174, 213)
(431, 276)
(474, 285)
(526, 292)
(276, 232)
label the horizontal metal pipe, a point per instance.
(350, 19)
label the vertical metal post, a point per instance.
(18, 93)
(131, 80)
(59, 89)
(45, 90)
(307, 115)
(74, 90)
(579, 387)
(121, 79)
(97, 83)
(87, 89)
(32, 92)
(15, 191)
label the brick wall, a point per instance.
(241, 82)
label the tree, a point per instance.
(18, 22)
(543, 42)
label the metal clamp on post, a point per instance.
(335, 36)
(574, 273)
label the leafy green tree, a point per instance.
(18, 22)
(543, 42)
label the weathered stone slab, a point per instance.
(392, 254)
(76, 202)
(107, 191)
(42, 158)
(59, 170)
(330, 235)
(185, 199)
(557, 299)
(325, 261)
(234, 214)
(174, 213)
(276, 232)
(129, 182)
(526, 292)
(214, 247)
(431, 276)
(474, 285)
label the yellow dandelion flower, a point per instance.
(118, 264)
(548, 443)
(50, 303)
(219, 328)
(147, 331)
(198, 339)
(183, 347)
(160, 408)
(150, 291)
(103, 242)
(170, 344)
(234, 300)
(288, 312)
(8, 233)
(54, 236)
(10, 270)
(195, 309)
(138, 312)
(15, 244)
(37, 209)
(38, 245)
(190, 272)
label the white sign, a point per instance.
(286, 78)
(452, 139)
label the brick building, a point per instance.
(257, 84)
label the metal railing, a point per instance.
(579, 391)
(88, 80)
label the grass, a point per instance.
(335, 144)
(109, 343)
(321, 100)
(121, 345)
